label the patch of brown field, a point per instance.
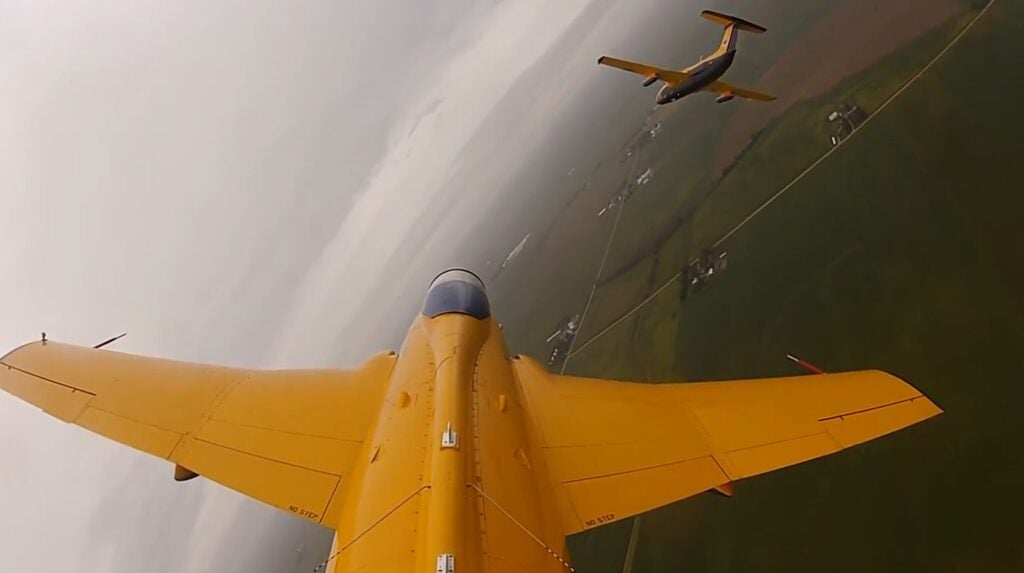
(852, 37)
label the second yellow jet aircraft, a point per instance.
(704, 74)
(453, 455)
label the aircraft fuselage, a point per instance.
(702, 75)
(469, 488)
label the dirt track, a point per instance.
(851, 38)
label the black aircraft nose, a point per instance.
(458, 291)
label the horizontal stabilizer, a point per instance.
(726, 20)
(616, 449)
(288, 438)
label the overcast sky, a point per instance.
(242, 182)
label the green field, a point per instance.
(902, 251)
(785, 149)
(567, 253)
(672, 230)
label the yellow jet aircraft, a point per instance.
(704, 74)
(453, 455)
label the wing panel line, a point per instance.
(635, 470)
(123, 417)
(871, 409)
(269, 459)
(775, 442)
(327, 506)
(51, 381)
(279, 431)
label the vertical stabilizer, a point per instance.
(729, 38)
(732, 27)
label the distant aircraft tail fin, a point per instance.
(732, 26)
(727, 20)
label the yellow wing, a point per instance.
(616, 449)
(649, 72)
(724, 88)
(287, 438)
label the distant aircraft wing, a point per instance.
(287, 438)
(723, 88)
(671, 76)
(616, 449)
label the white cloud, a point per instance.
(422, 155)
(172, 171)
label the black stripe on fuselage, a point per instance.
(732, 34)
(699, 78)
